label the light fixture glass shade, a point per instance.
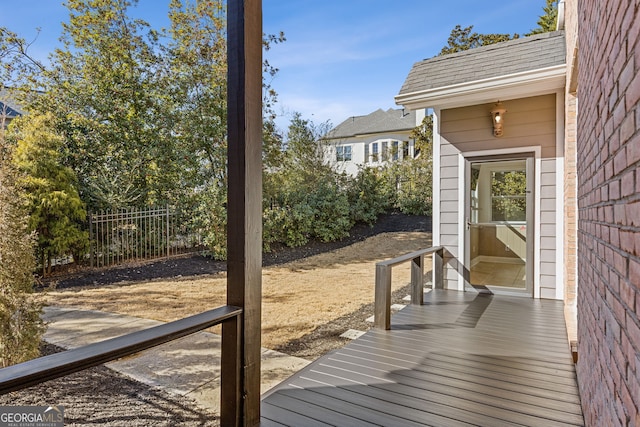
(497, 115)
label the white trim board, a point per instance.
(497, 260)
(537, 151)
(517, 85)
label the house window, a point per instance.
(508, 196)
(343, 153)
(366, 153)
(374, 152)
(395, 154)
(405, 149)
(385, 151)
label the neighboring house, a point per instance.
(9, 108)
(371, 140)
(498, 163)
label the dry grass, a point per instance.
(297, 297)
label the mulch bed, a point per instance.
(197, 265)
(100, 396)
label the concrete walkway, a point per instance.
(189, 366)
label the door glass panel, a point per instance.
(498, 224)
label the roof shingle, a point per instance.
(379, 121)
(501, 59)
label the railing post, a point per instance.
(167, 207)
(417, 281)
(438, 269)
(382, 311)
(230, 374)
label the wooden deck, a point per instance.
(461, 359)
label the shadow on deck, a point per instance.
(460, 359)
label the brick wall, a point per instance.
(608, 171)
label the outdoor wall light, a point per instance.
(497, 115)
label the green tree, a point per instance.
(303, 197)
(21, 327)
(105, 89)
(17, 66)
(55, 208)
(548, 21)
(462, 39)
(197, 82)
(411, 181)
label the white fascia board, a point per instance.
(518, 85)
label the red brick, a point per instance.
(628, 403)
(634, 271)
(628, 127)
(627, 74)
(618, 309)
(632, 212)
(620, 161)
(632, 331)
(627, 241)
(633, 149)
(627, 294)
(614, 236)
(632, 95)
(628, 184)
(621, 212)
(614, 190)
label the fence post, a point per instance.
(168, 231)
(90, 240)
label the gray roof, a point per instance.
(379, 121)
(501, 59)
(9, 107)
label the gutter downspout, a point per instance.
(560, 23)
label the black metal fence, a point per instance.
(139, 234)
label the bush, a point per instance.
(210, 217)
(409, 186)
(21, 327)
(331, 212)
(300, 213)
(368, 197)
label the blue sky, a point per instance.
(341, 57)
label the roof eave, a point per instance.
(518, 85)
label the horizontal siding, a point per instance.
(528, 122)
(548, 255)
(449, 183)
(449, 207)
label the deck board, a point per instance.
(460, 359)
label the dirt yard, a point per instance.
(298, 296)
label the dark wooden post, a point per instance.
(244, 208)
